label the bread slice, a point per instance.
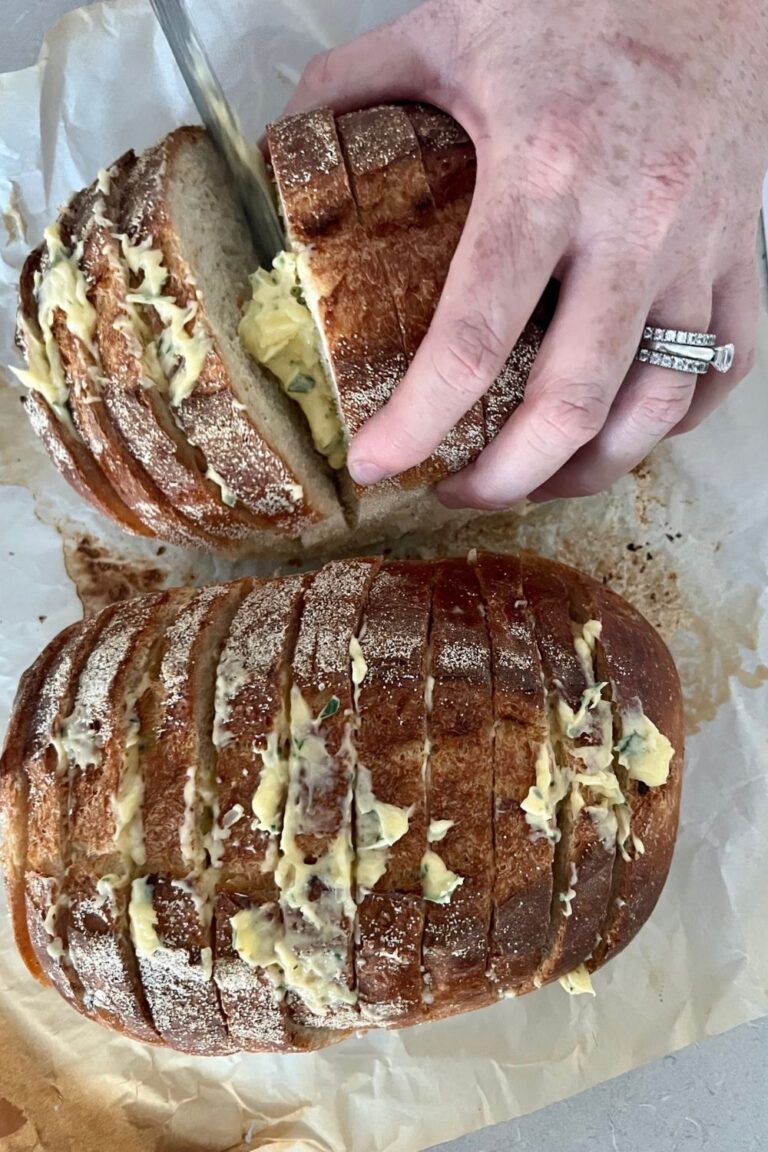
(53, 423)
(414, 246)
(582, 738)
(134, 383)
(315, 873)
(172, 903)
(47, 853)
(642, 682)
(249, 432)
(102, 741)
(26, 744)
(251, 732)
(523, 853)
(391, 819)
(459, 791)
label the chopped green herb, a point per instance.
(301, 384)
(632, 745)
(331, 708)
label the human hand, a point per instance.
(621, 148)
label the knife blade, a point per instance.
(245, 161)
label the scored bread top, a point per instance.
(264, 814)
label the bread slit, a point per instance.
(102, 741)
(457, 869)
(581, 735)
(392, 670)
(315, 871)
(172, 900)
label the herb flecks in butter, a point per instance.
(278, 331)
(438, 883)
(643, 750)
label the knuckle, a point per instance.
(657, 412)
(469, 360)
(568, 418)
(318, 70)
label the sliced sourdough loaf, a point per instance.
(266, 814)
(391, 672)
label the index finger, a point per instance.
(501, 266)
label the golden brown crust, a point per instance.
(458, 655)
(459, 788)
(414, 245)
(19, 749)
(523, 859)
(391, 742)
(638, 666)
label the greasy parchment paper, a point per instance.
(686, 538)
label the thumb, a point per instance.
(383, 64)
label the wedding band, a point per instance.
(684, 351)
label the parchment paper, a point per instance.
(686, 538)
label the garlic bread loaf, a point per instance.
(193, 397)
(267, 814)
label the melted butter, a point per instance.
(359, 667)
(578, 982)
(379, 826)
(643, 750)
(228, 496)
(438, 883)
(143, 919)
(60, 286)
(126, 804)
(182, 354)
(438, 830)
(278, 331)
(541, 804)
(269, 797)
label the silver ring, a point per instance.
(684, 351)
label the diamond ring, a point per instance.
(684, 351)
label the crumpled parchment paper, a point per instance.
(686, 538)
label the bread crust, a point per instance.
(523, 859)
(391, 739)
(459, 789)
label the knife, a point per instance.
(245, 161)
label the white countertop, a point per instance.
(712, 1097)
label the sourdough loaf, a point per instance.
(130, 319)
(262, 815)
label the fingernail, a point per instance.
(365, 471)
